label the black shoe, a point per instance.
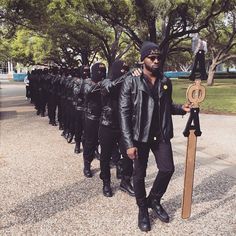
(38, 113)
(143, 219)
(127, 187)
(60, 126)
(77, 148)
(159, 210)
(42, 114)
(106, 189)
(70, 137)
(54, 123)
(50, 122)
(66, 134)
(87, 170)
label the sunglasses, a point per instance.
(153, 58)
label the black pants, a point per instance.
(199, 62)
(108, 139)
(67, 113)
(60, 111)
(164, 160)
(78, 125)
(52, 106)
(27, 89)
(43, 100)
(71, 118)
(90, 138)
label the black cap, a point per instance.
(149, 48)
(118, 69)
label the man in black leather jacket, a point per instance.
(92, 113)
(145, 109)
(109, 130)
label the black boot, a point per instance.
(77, 148)
(154, 203)
(119, 169)
(70, 137)
(54, 123)
(126, 186)
(107, 192)
(87, 169)
(143, 219)
(64, 133)
(60, 126)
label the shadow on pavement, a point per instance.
(4, 115)
(47, 205)
(7, 115)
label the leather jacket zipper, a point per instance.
(159, 108)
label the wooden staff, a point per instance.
(195, 95)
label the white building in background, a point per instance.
(6, 70)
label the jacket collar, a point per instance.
(144, 86)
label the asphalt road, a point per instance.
(44, 192)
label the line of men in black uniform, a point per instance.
(86, 109)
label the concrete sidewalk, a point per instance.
(44, 192)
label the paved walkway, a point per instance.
(43, 190)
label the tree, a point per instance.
(221, 42)
(29, 48)
(110, 28)
(179, 19)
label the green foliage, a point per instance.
(219, 99)
(77, 31)
(30, 48)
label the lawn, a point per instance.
(220, 98)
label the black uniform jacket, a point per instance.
(136, 107)
(92, 97)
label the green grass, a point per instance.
(220, 98)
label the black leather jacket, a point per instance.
(92, 97)
(136, 107)
(110, 91)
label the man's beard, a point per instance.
(155, 70)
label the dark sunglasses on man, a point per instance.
(154, 57)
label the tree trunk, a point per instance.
(211, 73)
(84, 57)
(152, 29)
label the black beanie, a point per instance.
(116, 69)
(148, 48)
(98, 71)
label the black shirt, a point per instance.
(155, 132)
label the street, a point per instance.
(44, 192)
